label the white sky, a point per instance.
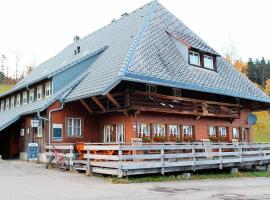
(40, 29)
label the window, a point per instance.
(24, 98)
(120, 133)
(40, 129)
(31, 95)
(7, 104)
(159, 129)
(212, 131)
(39, 92)
(2, 105)
(151, 88)
(194, 58)
(107, 134)
(48, 89)
(57, 132)
(235, 133)
(176, 92)
(18, 100)
(12, 102)
(208, 62)
(174, 130)
(74, 127)
(223, 131)
(143, 130)
(187, 131)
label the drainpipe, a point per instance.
(49, 120)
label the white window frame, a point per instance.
(212, 62)
(174, 130)
(18, 100)
(24, 99)
(236, 133)
(212, 131)
(72, 129)
(31, 95)
(2, 105)
(177, 92)
(7, 104)
(12, 102)
(120, 133)
(39, 91)
(48, 89)
(143, 130)
(152, 89)
(40, 129)
(107, 134)
(187, 130)
(222, 131)
(191, 60)
(159, 129)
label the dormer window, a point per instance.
(2, 105)
(48, 89)
(39, 92)
(24, 97)
(18, 100)
(31, 95)
(12, 102)
(151, 88)
(7, 104)
(194, 58)
(208, 62)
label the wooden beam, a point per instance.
(95, 99)
(113, 100)
(86, 106)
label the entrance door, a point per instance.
(107, 134)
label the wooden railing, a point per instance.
(164, 103)
(66, 149)
(124, 160)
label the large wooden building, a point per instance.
(145, 75)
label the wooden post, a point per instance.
(261, 154)
(120, 153)
(194, 157)
(162, 159)
(88, 166)
(220, 157)
(71, 158)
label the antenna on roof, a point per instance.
(76, 38)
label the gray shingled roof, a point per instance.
(152, 57)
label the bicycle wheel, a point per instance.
(63, 164)
(49, 162)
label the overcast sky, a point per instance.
(40, 29)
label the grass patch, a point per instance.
(262, 128)
(4, 88)
(179, 177)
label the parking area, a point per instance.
(24, 181)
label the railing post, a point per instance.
(261, 154)
(240, 154)
(220, 156)
(162, 159)
(71, 157)
(120, 162)
(88, 166)
(194, 156)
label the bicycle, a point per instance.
(62, 162)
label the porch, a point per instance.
(134, 159)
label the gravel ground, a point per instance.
(23, 181)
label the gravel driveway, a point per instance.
(24, 181)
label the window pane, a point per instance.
(208, 62)
(194, 58)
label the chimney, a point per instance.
(76, 38)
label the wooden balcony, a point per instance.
(142, 101)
